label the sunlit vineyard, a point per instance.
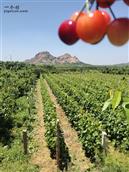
(17, 112)
(84, 96)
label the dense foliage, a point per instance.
(83, 122)
(51, 126)
(82, 96)
(122, 69)
(50, 119)
(17, 112)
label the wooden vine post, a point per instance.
(58, 145)
(104, 142)
(25, 142)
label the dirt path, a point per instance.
(71, 138)
(42, 156)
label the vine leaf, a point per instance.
(116, 99)
(106, 104)
(111, 93)
(126, 109)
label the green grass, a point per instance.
(12, 159)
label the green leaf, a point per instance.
(125, 99)
(126, 108)
(106, 104)
(116, 99)
(111, 94)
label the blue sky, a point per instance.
(25, 34)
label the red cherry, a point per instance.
(67, 32)
(106, 16)
(108, 20)
(127, 2)
(105, 3)
(91, 27)
(118, 31)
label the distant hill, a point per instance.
(48, 59)
(64, 60)
(122, 64)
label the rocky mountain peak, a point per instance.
(67, 58)
(46, 58)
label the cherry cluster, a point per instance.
(92, 26)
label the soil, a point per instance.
(42, 156)
(70, 136)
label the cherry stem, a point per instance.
(91, 3)
(97, 6)
(87, 6)
(84, 6)
(111, 9)
(112, 12)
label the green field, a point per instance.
(82, 94)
